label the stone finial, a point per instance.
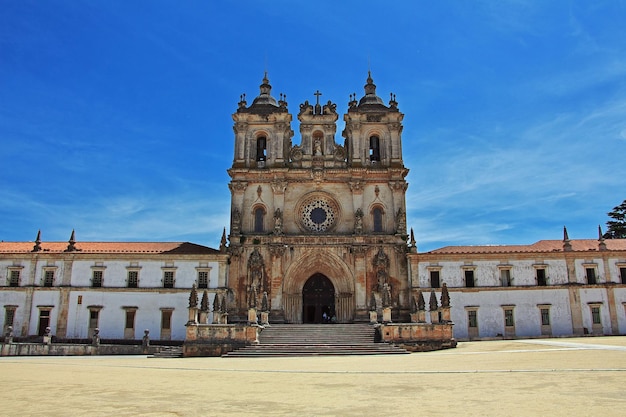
(421, 304)
(412, 242)
(433, 302)
(71, 247)
(204, 303)
(265, 305)
(193, 297)
(372, 301)
(223, 242)
(567, 245)
(37, 246)
(445, 297)
(601, 242)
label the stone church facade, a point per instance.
(319, 226)
(318, 233)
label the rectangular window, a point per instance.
(434, 279)
(541, 277)
(508, 318)
(96, 279)
(9, 316)
(595, 315)
(48, 278)
(505, 277)
(14, 278)
(133, 279)
(44, 321)
(591, 275)
(203, 279)
(622, 274)
(469, 278)
(130, 319)
(166, 319)
(168, 279)
(472, 318)
(545, 316)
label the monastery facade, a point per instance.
(318, 233)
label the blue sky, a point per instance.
(115, 116)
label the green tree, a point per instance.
(616, 228)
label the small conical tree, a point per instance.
(193, 297)
(265, 305)
(216, 303)
(445, 297)
(421, 304)
(372, 301)
(433, 302)
(204, 303)
(223, 307)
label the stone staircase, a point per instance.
(169, 352)
(316, 340)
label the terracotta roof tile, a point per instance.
(110, 247)
(578, 245)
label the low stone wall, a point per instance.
(218, 339)
(66, 349)
(418, 337)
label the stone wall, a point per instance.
(418, 337)
(39, 349)
(217, 339)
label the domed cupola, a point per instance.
(370, 99)
(264, 103)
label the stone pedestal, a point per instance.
(421, 316)
(373, 317)
(434, 317)
(265, 317)
(193, 315)
(252, 317)
(414, 317)
(445, 314)
(387, 315)
(202, 317)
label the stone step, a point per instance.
(316, 340)
(168, 352)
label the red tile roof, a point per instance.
(578, 245)
(182, 248)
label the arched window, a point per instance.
(374, 149)
(259, 216)
(377, 214)
(261, 148)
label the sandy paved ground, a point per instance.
(549, 377)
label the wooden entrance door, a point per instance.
(318, 297)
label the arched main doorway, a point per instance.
(318, 297)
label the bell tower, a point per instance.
(373, 130)
(262, 131)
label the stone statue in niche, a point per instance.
(381, 267)
(236, 220)
(278, 222)
(317, 147)
(255, 271)
(401, 222)
(358, 222)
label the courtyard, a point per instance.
(537, 377)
